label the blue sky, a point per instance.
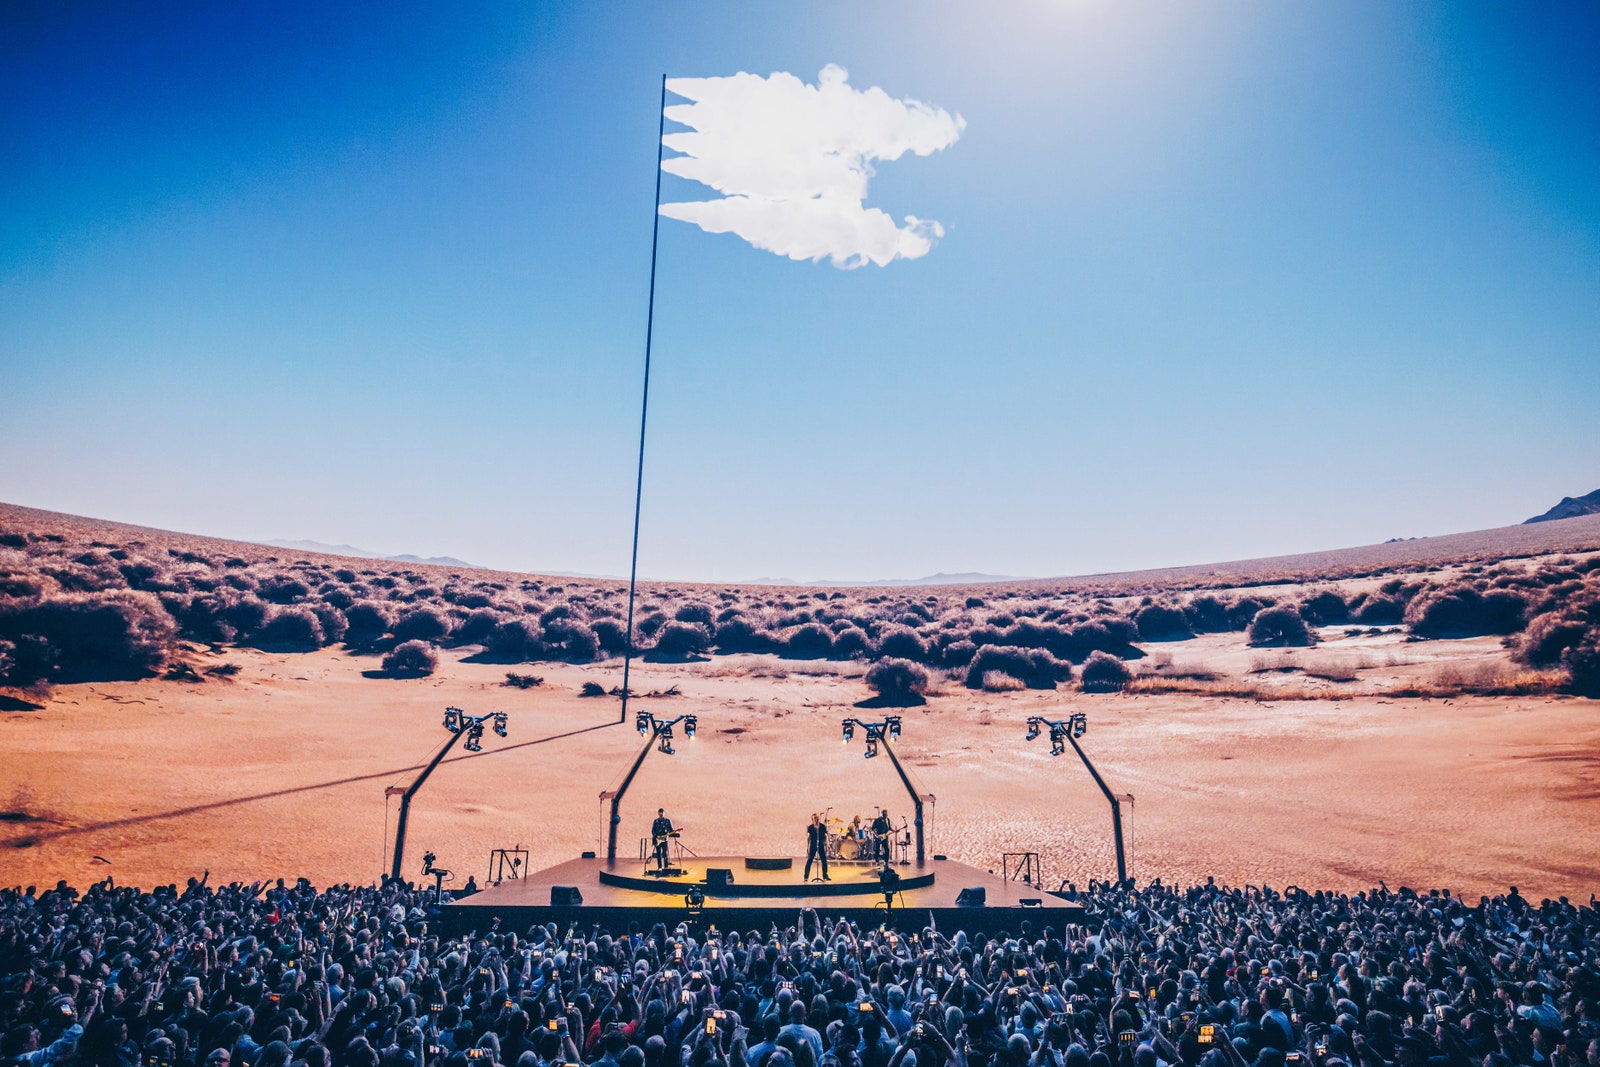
(1217, 281)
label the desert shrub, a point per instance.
(475, 628)
(1378, 609)
(1208, 615)
(1104, 673)
(282, 589)
(1325, 608)
(295, 628)
(811, 641)
(1242, 612)
(523, 681)
(513, 641)
(1547, 638)
(974, 602)
(1161, 622)
(421, 624)
(337, 596)
(574, 642)
(612, 635)
(899, 642)
(652, 622)
(334, 625)
(957, 653)
(1462, 611)
(116, 633)
(1035, 667)
(680, 640)
(369, 620)
(694, 613)
(1279, 627)
(1000, 682)
(738, 635)
(21, 586)
(898, 682)
(411, 659)
(26, 659)
(1582, 662)
(851, 642)
(592, 689)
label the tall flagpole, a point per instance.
(644, 407)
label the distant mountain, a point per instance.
(1571, 508)
(964, 578)
(352, 550)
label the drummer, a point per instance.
(858, 831)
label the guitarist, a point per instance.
(660, 833)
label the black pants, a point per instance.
(815, 852)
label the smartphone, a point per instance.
(272, 998)
(552, 1025)
(688, 997)
(1294, 1059)
(711, 1025)
(1208, 1034)
(434, 1050)
(435, 1008)
(474, 1053)
(1128, 1038)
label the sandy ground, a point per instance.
(282, 771)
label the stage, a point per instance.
(762, 891)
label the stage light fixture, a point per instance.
(689, 725)
(452, 720)
(849, 730)
(894, 727)
(500, 723)
(1070, 729)
(643, 721)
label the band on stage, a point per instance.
(828, 838)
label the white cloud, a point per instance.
(793, 162)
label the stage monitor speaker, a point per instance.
(565, 896)
(718, 877)
(587, 856)
(974, 896)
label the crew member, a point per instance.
(660, 833)
(881, 829)
(817, 847)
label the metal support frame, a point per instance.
(879, 734)
(1069, 730)
(644, 404)
(656, 731)
(460, 725)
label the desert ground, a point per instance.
(280, 771)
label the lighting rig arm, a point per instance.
(1067, 731)
(460, 725)
(880, 734)
(657, 734)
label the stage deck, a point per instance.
(620, 893)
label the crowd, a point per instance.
(287, 976)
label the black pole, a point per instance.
(405, 804)
(916, 800)
(1116, 808)
(644, 406)
(616, 798)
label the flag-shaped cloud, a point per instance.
(793, 161)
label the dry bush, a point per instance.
(411, 659)
(1279, 627)
(680, 641)
(1104, 673)
(1036, 668)
(1463, 611)
(291, 629)
(898, 682)
(421, 624)
(1160, 622)
(999, 682)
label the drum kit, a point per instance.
(854, 842)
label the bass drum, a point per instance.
(849, 849)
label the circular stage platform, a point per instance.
(765, 878)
